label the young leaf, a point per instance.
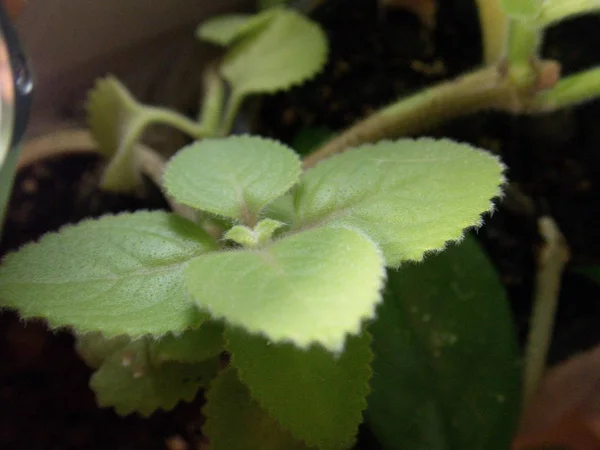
(130, 383)
(94, 348)
(409, 196)
(446, 372)
(522, 9)
(194, 345)
(235, 421)
(234, 177)
(118, 274)
(289, 50)
(116, 121)
(319, 397)
(315, 286)
(225, 30)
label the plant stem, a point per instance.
(212, 103)
(234, 102)
(551, 262)
(153, 114)
(524, 40)
(554, 11)
(570, 91)
(483, 89)
(494, 29)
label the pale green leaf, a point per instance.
(522, 9)
(446, 373)
(235, 421)
(116, 120)
(232, 177)
(225, 30)
(315, 286)
(289, 50)
(94, 348)
(118, 274)
(409, 196)
(318, 396)
(194, 345)
(130, 383)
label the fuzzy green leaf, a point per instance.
(446, 373)
(94, 348)
(235, 421)
(116, 121)
(409, 196)
(233, 177)
(129, 382)
(194, 345)
(319, 397)
(315, 286)
(522, 9)
(121, 275)
(289, 50)
(225, 30)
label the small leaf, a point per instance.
(194, 345)
(129, 382)
(315, 286)
(118, 274)
(409, 196)
(94, 348)
(289, 50)
(522, 9)
(116, 120)
(225, 30)
(446, 372)
(235, 421)
(233, 177)
(319, 397)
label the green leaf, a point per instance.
(121, 275)
(409, 196)
(94, 348)
(315, 286)
(235, 421)
(289, 50)
(522, 9)
(233, 177)
(446, 372)
(319, 397)
(194, 345)
(116, 121)
(225, 30)
(130, 383)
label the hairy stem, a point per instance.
(524, 40)
(494, 30)
(551, 262)
(483, 89)
(212, 103)
(570, 91)
(554, 11)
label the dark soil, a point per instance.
(554, 159)
(377, 56)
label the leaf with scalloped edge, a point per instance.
(235, 421)
(118, 274)
(94, 348)
(409, 196)
(129, 382)
(312, 287)
(317, 396)
(116, 121)
(225, 30)
(289, 50)
(194, 345)
(233, 177)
